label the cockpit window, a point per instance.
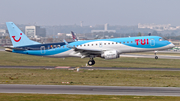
(162, 39)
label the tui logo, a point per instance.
(15, 39)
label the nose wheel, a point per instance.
(156, 57)
(91, 62)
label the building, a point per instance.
(157, 27)
(35, 31)
(105, 29)
(5, 42)
(3, 31)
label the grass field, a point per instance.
(64, 97)
(85, 77)
(13, 59)
(91, 77)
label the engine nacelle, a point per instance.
(110, 54)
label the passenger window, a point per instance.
(59, 46)
(123, 42)
(120, 42)
(131, 41)
(128, 42)
(112, 43)
(109, 43)
(92, 44)
(104, 43)
(84, 45)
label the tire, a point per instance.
(90, 62)
(93, 62)
(156, 57)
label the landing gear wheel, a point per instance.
(156, 57)
(91, 62)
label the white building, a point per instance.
(35, 31)
(105, 29)
(30, 31)
(3, 33)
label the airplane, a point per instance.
(103, 48)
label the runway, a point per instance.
(2, 50)
(95, 68)
(91, 90)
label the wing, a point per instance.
(86, 51)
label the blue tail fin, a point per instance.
(18, 38)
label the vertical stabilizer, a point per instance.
(18, 38)
(74, 36)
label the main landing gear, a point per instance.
(91, 62)
(156, 57)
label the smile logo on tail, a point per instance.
(18, 39)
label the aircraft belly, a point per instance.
(63, 54)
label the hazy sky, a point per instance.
(91, 12)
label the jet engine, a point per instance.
(113, 54)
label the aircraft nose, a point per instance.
(172, 45)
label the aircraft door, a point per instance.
(42, 49)
(152, 42)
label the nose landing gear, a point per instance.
(156, 57)
(91, 62)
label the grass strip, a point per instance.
(65, 97)
(91, 77)
(13, 59)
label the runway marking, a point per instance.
(96, 68)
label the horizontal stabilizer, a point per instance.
(10, 48)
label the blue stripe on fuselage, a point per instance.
(45, 52)
(38, 46)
